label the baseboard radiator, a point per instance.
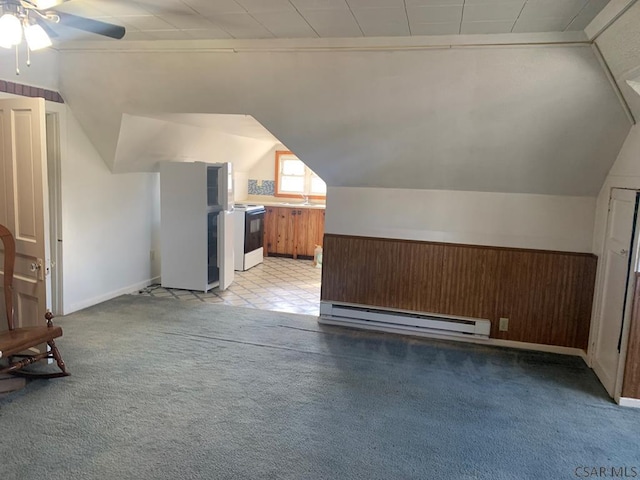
(402, 321)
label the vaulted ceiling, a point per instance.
(220, 19)
(512, 112)
(620, 45)
(528, 119)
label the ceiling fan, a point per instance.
(34, 20)
(44, 14)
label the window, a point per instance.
(295, 179)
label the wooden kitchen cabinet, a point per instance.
(270, 230)
(285, 228)
(293, 232)
(310, 231)
(279, 231)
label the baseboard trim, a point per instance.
(629, 402)
(108, 296)
(576, 352)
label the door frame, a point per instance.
(628, 300)
(58, 113)
(52, 120)
(54, 213)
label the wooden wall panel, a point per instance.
(631, 382)
(587, 287)
(383, 273)
(546, 295)
(469, 285)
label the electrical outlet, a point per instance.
(259, 183)
(504, 324)
(152, 255)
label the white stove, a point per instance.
(248, 235)
(248, 207)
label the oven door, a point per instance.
(254, 230)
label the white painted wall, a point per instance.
(264, 168)
(110, 224)
(625, 173)
(510, 220)
(42, 73)
(144, 141)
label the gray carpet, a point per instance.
(167, 390)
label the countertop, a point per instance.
(285, 204)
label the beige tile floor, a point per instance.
(280, 284)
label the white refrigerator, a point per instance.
(196, 233)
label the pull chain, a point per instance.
(17, 65)
(28, 56)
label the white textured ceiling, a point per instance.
(220, 19)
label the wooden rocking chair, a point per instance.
(15, 341)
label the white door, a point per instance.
(24, 203)
(616, 258)
(225, 249)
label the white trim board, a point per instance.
(629, 402)
(609, 14)
(108, 296)
(334, 44)
(359, 324)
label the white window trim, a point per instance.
(308, 175)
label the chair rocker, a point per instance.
(15, 341)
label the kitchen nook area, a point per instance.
(278, 228)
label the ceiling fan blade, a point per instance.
(45, 26)
(89, 25)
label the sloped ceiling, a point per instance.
(620, 47)
(522, 119)
(144, 141)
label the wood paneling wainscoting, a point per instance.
(631, 382)
(546, 295)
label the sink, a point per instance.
(296, 204)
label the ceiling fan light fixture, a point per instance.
(44, 4)
(10, 30)
(36, 37)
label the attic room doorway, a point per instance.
(620, 262)
(290, 195)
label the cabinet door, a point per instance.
(316, 229)
(286, 231)
(270, 230)
(303, 233)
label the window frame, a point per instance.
(307, 184)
